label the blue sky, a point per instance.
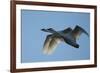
(33, 38)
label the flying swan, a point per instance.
(68, 36)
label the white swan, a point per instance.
(68, 36)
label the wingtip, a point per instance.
(83, 30)
(42, 29)
(45, 52)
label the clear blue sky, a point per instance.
(33, 38)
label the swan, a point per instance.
(69, 36)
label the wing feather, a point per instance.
(46, 43)
(78, 31)
(53, 44)
(50, 44)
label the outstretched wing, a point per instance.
(46, 43)
(50, 44)
(53, 44)
(78, 31)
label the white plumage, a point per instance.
(68, 36)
